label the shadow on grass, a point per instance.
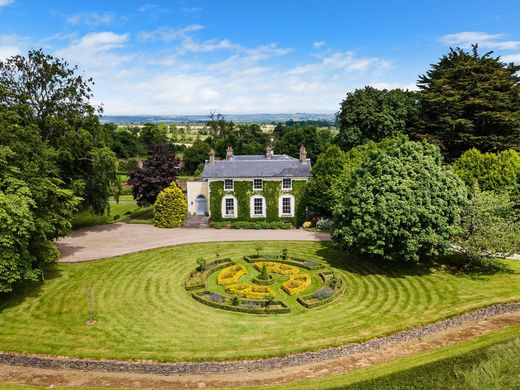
(366, 265)
(27, 289)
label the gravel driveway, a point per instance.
(121, 238)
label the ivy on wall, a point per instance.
(243, 190)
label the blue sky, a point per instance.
(194, 56)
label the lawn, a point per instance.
(124, 210)
(143, 311)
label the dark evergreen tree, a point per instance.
(470, 101)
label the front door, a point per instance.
(201, 205)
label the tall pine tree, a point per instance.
(470, 101)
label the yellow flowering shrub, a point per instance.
(296, 283)
(277, 268)
(250, 291)
(231, 274)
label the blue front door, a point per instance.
(201, 205)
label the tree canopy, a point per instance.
(400, 203)
(370, 114)
(326, 170)
(156, 173)
(48, 93)
(289, 139)
(469, 101)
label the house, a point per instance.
(251, 187)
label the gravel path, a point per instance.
(260, 365)
(118, 239)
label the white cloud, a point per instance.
(318, 44)
(168, 34)
(207, 46)
(10, 45)
(96, 50)
(511, 58)
(5, 2)
(484, 40)
(92, 19)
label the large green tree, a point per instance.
(35, 206)
(469, 101)
(290, 139)
(326, 170)
(400, 203)
(49, 93)
(370, 114)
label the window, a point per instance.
(257, 184)
(286, 206)
(258, 206)
(286, 184)
(229, 207)
(228, 184)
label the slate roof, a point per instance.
(251, 166)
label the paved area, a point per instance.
(121, 238)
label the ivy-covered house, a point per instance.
(251, 188)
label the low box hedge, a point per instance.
(289, 261)
(209, 268)
(310, 302)
(225, 306)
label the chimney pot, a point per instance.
(303, 155)
(229, 153)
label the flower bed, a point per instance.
(307, 264)
(231, 274)
(250, 291)
(197, 279)
(243, 306)
(277, 268)
(296, 283)
(333, 287)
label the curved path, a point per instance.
(118, 239)
(45, 370)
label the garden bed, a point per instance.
(333, 287)
(197, 279)
(307, 264)
(251, 306)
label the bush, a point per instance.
(307, 224)
(231, 274)
(170, 208)
(323, 293)
(400, 203)
(324, 224)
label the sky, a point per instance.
(251, 56)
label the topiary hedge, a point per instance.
(243, 190)
(170, 208)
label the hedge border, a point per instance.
(219, 264)
(197, 296)
(337, 293)
(295, 262)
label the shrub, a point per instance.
(250, 291)
(296, 283)
(284, 253)
(201, 262)
(323, 293)
(400, 203)
(307, 224)
(170, 208)
(324, 224)
(263, 273)
(231, 274)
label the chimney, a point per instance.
(211, 156)
(229, 153)
(269, 152)
(303, 155)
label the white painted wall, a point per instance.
(194, 189)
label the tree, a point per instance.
(489, 171)
(315, 140)
(470, 101)
(152, 133)
(325, 171)
(157, 172)
(195, 155)
(47, 92)
(399, 204)
(491, 228)
(371, 114)
(170, 208)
